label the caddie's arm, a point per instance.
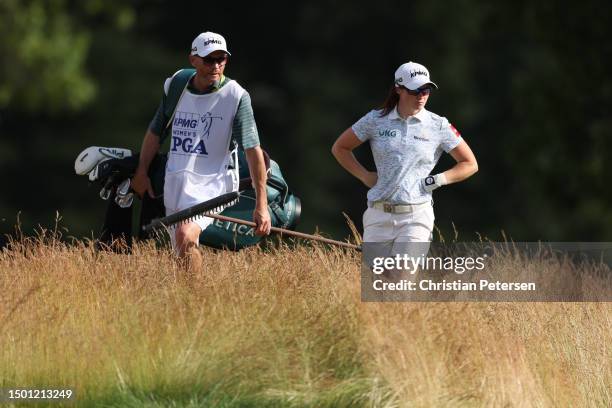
(141, 182)
(257, 169)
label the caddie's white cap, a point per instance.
(208, 42)
(412, 76)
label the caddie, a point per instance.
(211, 112)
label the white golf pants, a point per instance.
(380, 226)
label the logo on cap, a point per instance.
(419, 72)
(212, 41)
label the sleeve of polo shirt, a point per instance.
(364, 128)
(160, 120)
(244, 128)
(450, 137)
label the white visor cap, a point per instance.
(412, 76)
(207, 43)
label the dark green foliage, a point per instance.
(525, 83)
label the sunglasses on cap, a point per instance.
(426, 90)
(210, 60)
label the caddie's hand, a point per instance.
(430, 183)
(370, 179)
(141, 183)
(261, 217)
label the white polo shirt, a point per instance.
(405, 152)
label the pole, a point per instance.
(285, 231)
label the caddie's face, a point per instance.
(211, 67)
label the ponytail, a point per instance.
(390, 102)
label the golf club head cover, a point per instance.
(89, 158)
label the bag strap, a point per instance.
(276, 181)
(178, 85)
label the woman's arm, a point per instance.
(466, 164)
(343, 152)
(465, 167)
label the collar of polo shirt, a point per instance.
(421, 115)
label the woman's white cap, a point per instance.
(208, 42)
(412, 76)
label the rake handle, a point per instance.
(285, 231)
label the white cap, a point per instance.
(208, 42)
(412, 76)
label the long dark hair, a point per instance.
(390, 102)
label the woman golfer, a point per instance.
(406, 140)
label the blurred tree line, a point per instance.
(524, 82)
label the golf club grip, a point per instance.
(193, 211)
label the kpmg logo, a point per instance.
(185, 123)
(212, 41)
(206, 43)
(388, 132)
(189, 132)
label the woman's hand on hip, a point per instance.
(370, 178)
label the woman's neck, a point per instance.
(405, 111)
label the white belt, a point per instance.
(398, 208)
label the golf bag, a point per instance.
(112, 169)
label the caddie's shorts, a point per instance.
(202, 222)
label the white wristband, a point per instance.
(441, 179)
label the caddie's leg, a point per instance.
(187, 241)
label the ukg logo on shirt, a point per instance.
(189, 132)
(388, 133)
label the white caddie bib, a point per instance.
(199, 155)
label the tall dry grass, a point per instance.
(281, 327)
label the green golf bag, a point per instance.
(284, 208)
(110, 168)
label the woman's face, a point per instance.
(414, 100)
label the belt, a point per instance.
(398, 208)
